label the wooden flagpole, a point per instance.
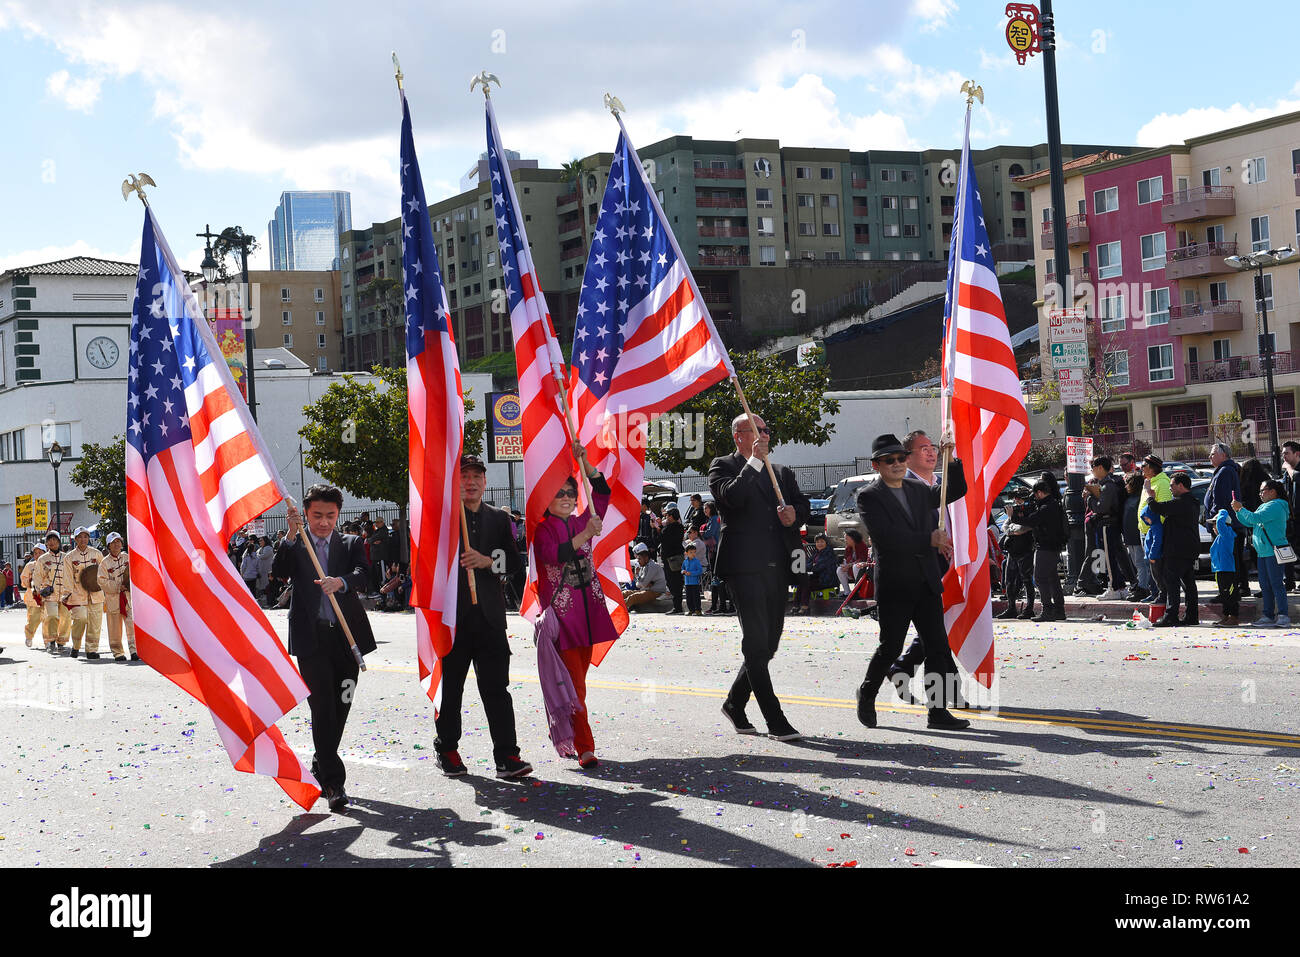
(464, 537)
(771, 472)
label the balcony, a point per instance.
(1197, 318)
(719, 173)
(707, 260)
(1199, 259)
(575, 253)
(1076, 232)
(714, 202)
(567, 199)
(1238, 367)
(1199, 202)
(860, 183)
(1078, 275)
(862, 212)
(719, 231)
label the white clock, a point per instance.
(102, 352)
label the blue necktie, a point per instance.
(322, 552)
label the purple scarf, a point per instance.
(558, 693)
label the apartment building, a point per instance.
(1173, 327)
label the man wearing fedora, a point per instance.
(901, 517)
(758, 555)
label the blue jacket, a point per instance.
(1223, 484)
(1269, 522)
(1221, 559)
(1153, 543)
(692, 570)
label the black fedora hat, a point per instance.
(886, 444)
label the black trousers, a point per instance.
(1178, 571)
(1020, 573)
(1229, 592)
(760, 605)
(693, 598)
(916, 605)
(486, 647)
(915, 654)
(331, 676)
(676, 583)
(1113, 538)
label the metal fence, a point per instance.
(813, 479)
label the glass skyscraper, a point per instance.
(305, 230)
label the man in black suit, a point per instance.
(756, 557)
(481, 632)
(1180, 549)
(900, 515)
(325, 659)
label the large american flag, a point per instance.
(436, 413)
(196, 472)
(548, 460)
(643, 343)
(990, 423)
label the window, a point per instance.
(11, 446)
(62, 435)
(322, 363)
(911, 202)
(473, 212)
(828, 172)
(892, 232)
(1222, 350)
(766, 226)
(909, 175)
(833, 255)
(286, 318)
(319, 295)
(889, 176)
(830, 229)
(492, 259)
(767, 255)
(1153, 252)
(1050, 269)
(762, 167)
(284, 294)
(895, 255)
(1151, 190)
(807, 229)
(288, 340)
(717, 164)
(1157, 306)
(1110, 310)
(889, 202)
(803, 172)
(1108, 260)
(1218, 292)
(763, 197)
(1259, 240)
(320, 341)
(1160, 363)
(1256, 170)
(1115, 368)
(804, 200)
(830, 201)
(1210, 177)
(320, 317)
(1019, 228)
(1264, 285)
(1105, 200)
(347, 303)
(911, 230)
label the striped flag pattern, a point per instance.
(197, 471)
(990, 423)
(643, 343)
(548, 460)
(436, 414)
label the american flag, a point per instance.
(437, 429)
(196, 472)
(548, 460)
(990, 424)
(643, 343)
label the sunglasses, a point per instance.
(567, 493)
(892, 459)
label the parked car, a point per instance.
(842, 513)
(657, 494)
(684, 501)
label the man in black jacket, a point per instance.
(1019, 546)
(481, 632)
(900, 517)
(325, 659)
(757, 558)
(1182, 545)
(1110, 495)
(673, 551)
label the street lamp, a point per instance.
(56, 459)
(1258, 261)
(235, 237)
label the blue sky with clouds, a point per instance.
(227, 105)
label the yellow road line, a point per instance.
(1151, 729)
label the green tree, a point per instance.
(101, 473)
(357, 433)
(791, 400)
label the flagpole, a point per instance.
(971, 92)
(615, 106)
(334, 602)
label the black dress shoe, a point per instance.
(941, 719)
(1027, 614)
(866, 708)
(738, 719)
(1188, 622)
(92, 656)
(1007, 613)
(1166, 622)
(784, 731)
(337, 797)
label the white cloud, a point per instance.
(934, 13)
(1167, 128)
(75, 94)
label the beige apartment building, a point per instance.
(1175, 329)
(298, 310)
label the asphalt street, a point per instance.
(1108, 747)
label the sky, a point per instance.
(226, 105)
